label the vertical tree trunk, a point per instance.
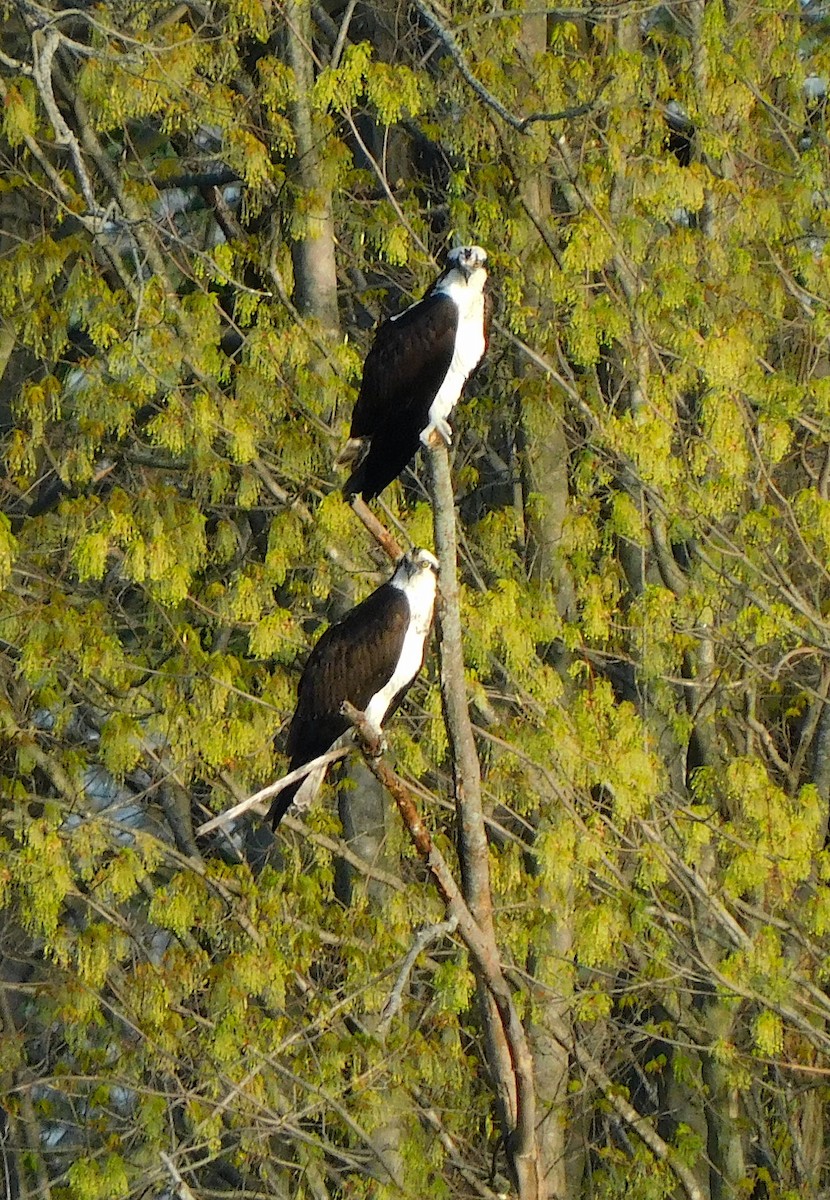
(724, 1143)
(315, 269)
(544, 471)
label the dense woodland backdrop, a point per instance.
(204, 210)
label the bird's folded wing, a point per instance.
(407, 363)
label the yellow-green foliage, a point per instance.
(99, 1180)
(641, 483)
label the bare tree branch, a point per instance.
(342, 33)
(386, 540)
(638, 1123)
(182, 1190)
(455, 52)
(272, 789)
(434, 1121)
(44, 47)
(431, 933)
(516, 1102)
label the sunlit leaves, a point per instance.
(24, 279)
(251, 16)
(776, 833)
(249, 156)
(19, 112)
(43, 878)
(590, 243)
(598, 933)
(162, 540)
(155, 614)
(392, 91)
(496, 623)
(91, 1179)
(8, 546)
(143, 84)
(278, 85)
(768, 1032)
(121, 737)
(454, 985)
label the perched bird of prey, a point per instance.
(370, 658)
(415, 372)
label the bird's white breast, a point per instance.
(469, 347)
(420, 592)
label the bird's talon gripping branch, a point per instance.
(367, 734)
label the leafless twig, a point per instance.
(430, 933)
(342, 33)
(432, 1119)
(182, 1190)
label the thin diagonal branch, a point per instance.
(342, 33)
(430, 933)
(455, 52)
(384, 538)
(182, 1190)
(641, 1125)
(271, 790)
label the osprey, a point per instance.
(415, 372)
(370, 658)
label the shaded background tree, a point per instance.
(204, 211)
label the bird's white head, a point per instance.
(416, 562)
(417, 569)
(417, 577)
(467, 262)
(424, 560)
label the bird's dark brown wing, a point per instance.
(351, 661)
(407, 363)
